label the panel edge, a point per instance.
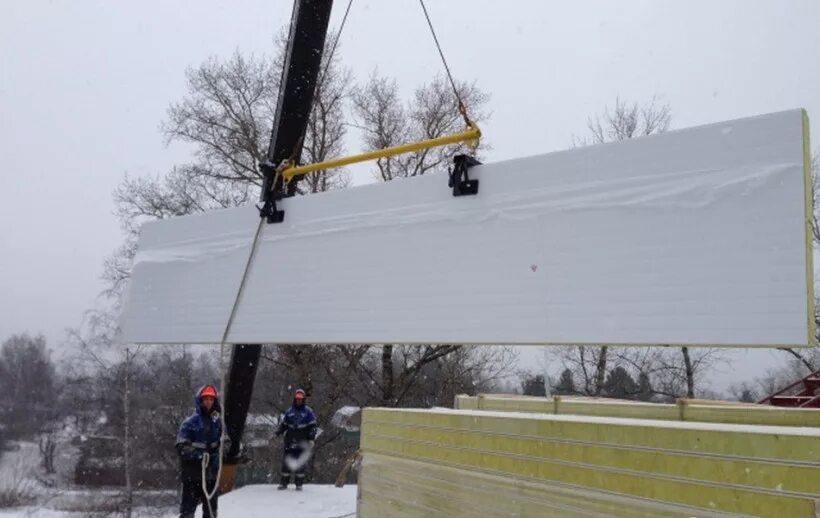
(809, 212)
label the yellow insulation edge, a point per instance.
(707, 413)
(809, 230)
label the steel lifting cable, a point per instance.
(332, 51)
(323, 75)
(462, 108)
(254, 246)
(206, 459)
(470, 136)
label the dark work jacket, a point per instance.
(199, 434)
(299, 425)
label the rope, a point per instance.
(205, 460)
(461, 107)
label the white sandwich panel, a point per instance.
(692, 237)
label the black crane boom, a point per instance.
(300, 74)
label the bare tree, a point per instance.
(661, 373)
(434, 375)
(689, 371)
(109, 380)
(815, 192)
(24, 359)
(797, 366)
(327, 127)
(48, 447)
(587, 364)
(134, 400)
(600, 370)
(625, 121)
(230, 108)
(386, 120)
(678, 375)
(226, 116)
(413, 375)
(126, 401)
(806, 360)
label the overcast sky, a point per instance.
(85, 84)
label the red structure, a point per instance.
(804, 393)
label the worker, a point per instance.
(198, 448)
(299, 426)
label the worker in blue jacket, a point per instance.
(299, 427)
(198, 448)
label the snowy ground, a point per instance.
(247, 502)
(265, 502)
(19, 467)
(93, 504)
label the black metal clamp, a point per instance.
(270, 196)
(460, 178)
(459, 181)
(269, 211)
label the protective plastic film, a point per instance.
(693, 237)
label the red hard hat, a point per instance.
(208, 390)
(300, 394)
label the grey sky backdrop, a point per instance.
(85, 84)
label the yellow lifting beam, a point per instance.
(470, 136)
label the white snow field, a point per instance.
(265, 501)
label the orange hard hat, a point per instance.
(208, 391)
